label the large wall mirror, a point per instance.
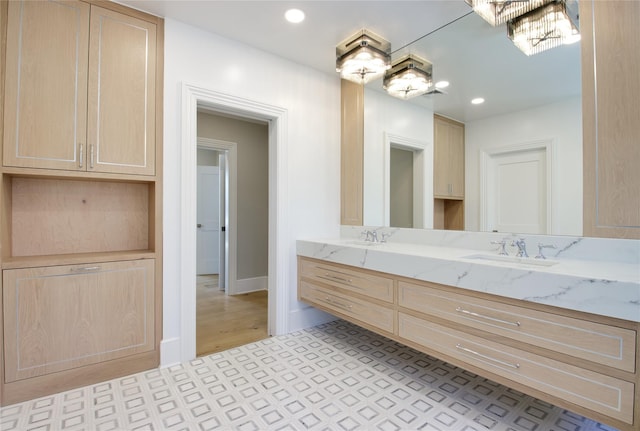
(524, 140)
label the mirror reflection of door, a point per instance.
(517, 192)
(401, 188)
(208, 220)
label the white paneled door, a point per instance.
(517, 192)
(208, 221)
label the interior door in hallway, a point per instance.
(517, 192)
(208, 219)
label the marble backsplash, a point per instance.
(566, 247)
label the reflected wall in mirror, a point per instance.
(524, 141)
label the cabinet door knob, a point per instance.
(199, 225)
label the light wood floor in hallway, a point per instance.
(224, 321)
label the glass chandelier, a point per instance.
(544, 28)
(408, 77)
(363, 57)
(497, 12)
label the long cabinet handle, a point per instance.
(91, 156)
(85, 269)
(347, 307)
(488, 358)
(482, 316)
(81, 155)
(335, 277)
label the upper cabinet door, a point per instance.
(122, 80)
(448, 158)
(45, 86)
(611, 112)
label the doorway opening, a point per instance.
(408, 190)
(232, 197)
(401, 188)
(195, 98)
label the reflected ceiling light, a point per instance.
(442, 84)
(497, 12)
(547, 27)
(363, 57)
(477, 101)
(408, 77)
(294, 16)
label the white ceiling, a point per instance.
(261, 24)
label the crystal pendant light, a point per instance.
(544, 28)
(497, 12)
(363, 57)
(410, 76)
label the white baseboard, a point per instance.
(247, 285)
(170, 352)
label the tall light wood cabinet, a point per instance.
(448, 158)
(611, 126)
(80, 194)
(448, 173)
(78, 78)
(352, 154)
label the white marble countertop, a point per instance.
(609, 288)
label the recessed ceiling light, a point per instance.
(477, 101)
(294, 15)
(442, 84)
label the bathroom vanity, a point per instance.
(563, 328)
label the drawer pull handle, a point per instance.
(335, 277)
(347, 307)
(474, 314)
(480, 355)
(85, 269)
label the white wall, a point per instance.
(386, 114)
(561, 122)
(312, 100)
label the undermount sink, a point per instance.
(511, 259)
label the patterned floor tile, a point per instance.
(335, 376)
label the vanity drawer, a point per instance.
(597, 392)
(375, 315)
(358, 281)
(603, 344)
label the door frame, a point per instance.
(231, 235)
(422, 183)
(193, 97)
(548, 145)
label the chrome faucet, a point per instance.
(522, 247)
(370, 235)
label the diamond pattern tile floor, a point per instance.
(336, 376)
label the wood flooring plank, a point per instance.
(223, 321)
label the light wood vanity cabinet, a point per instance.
(582, 362)
(448, 158)
(360, 296)
(80, 194)
(80, 89)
